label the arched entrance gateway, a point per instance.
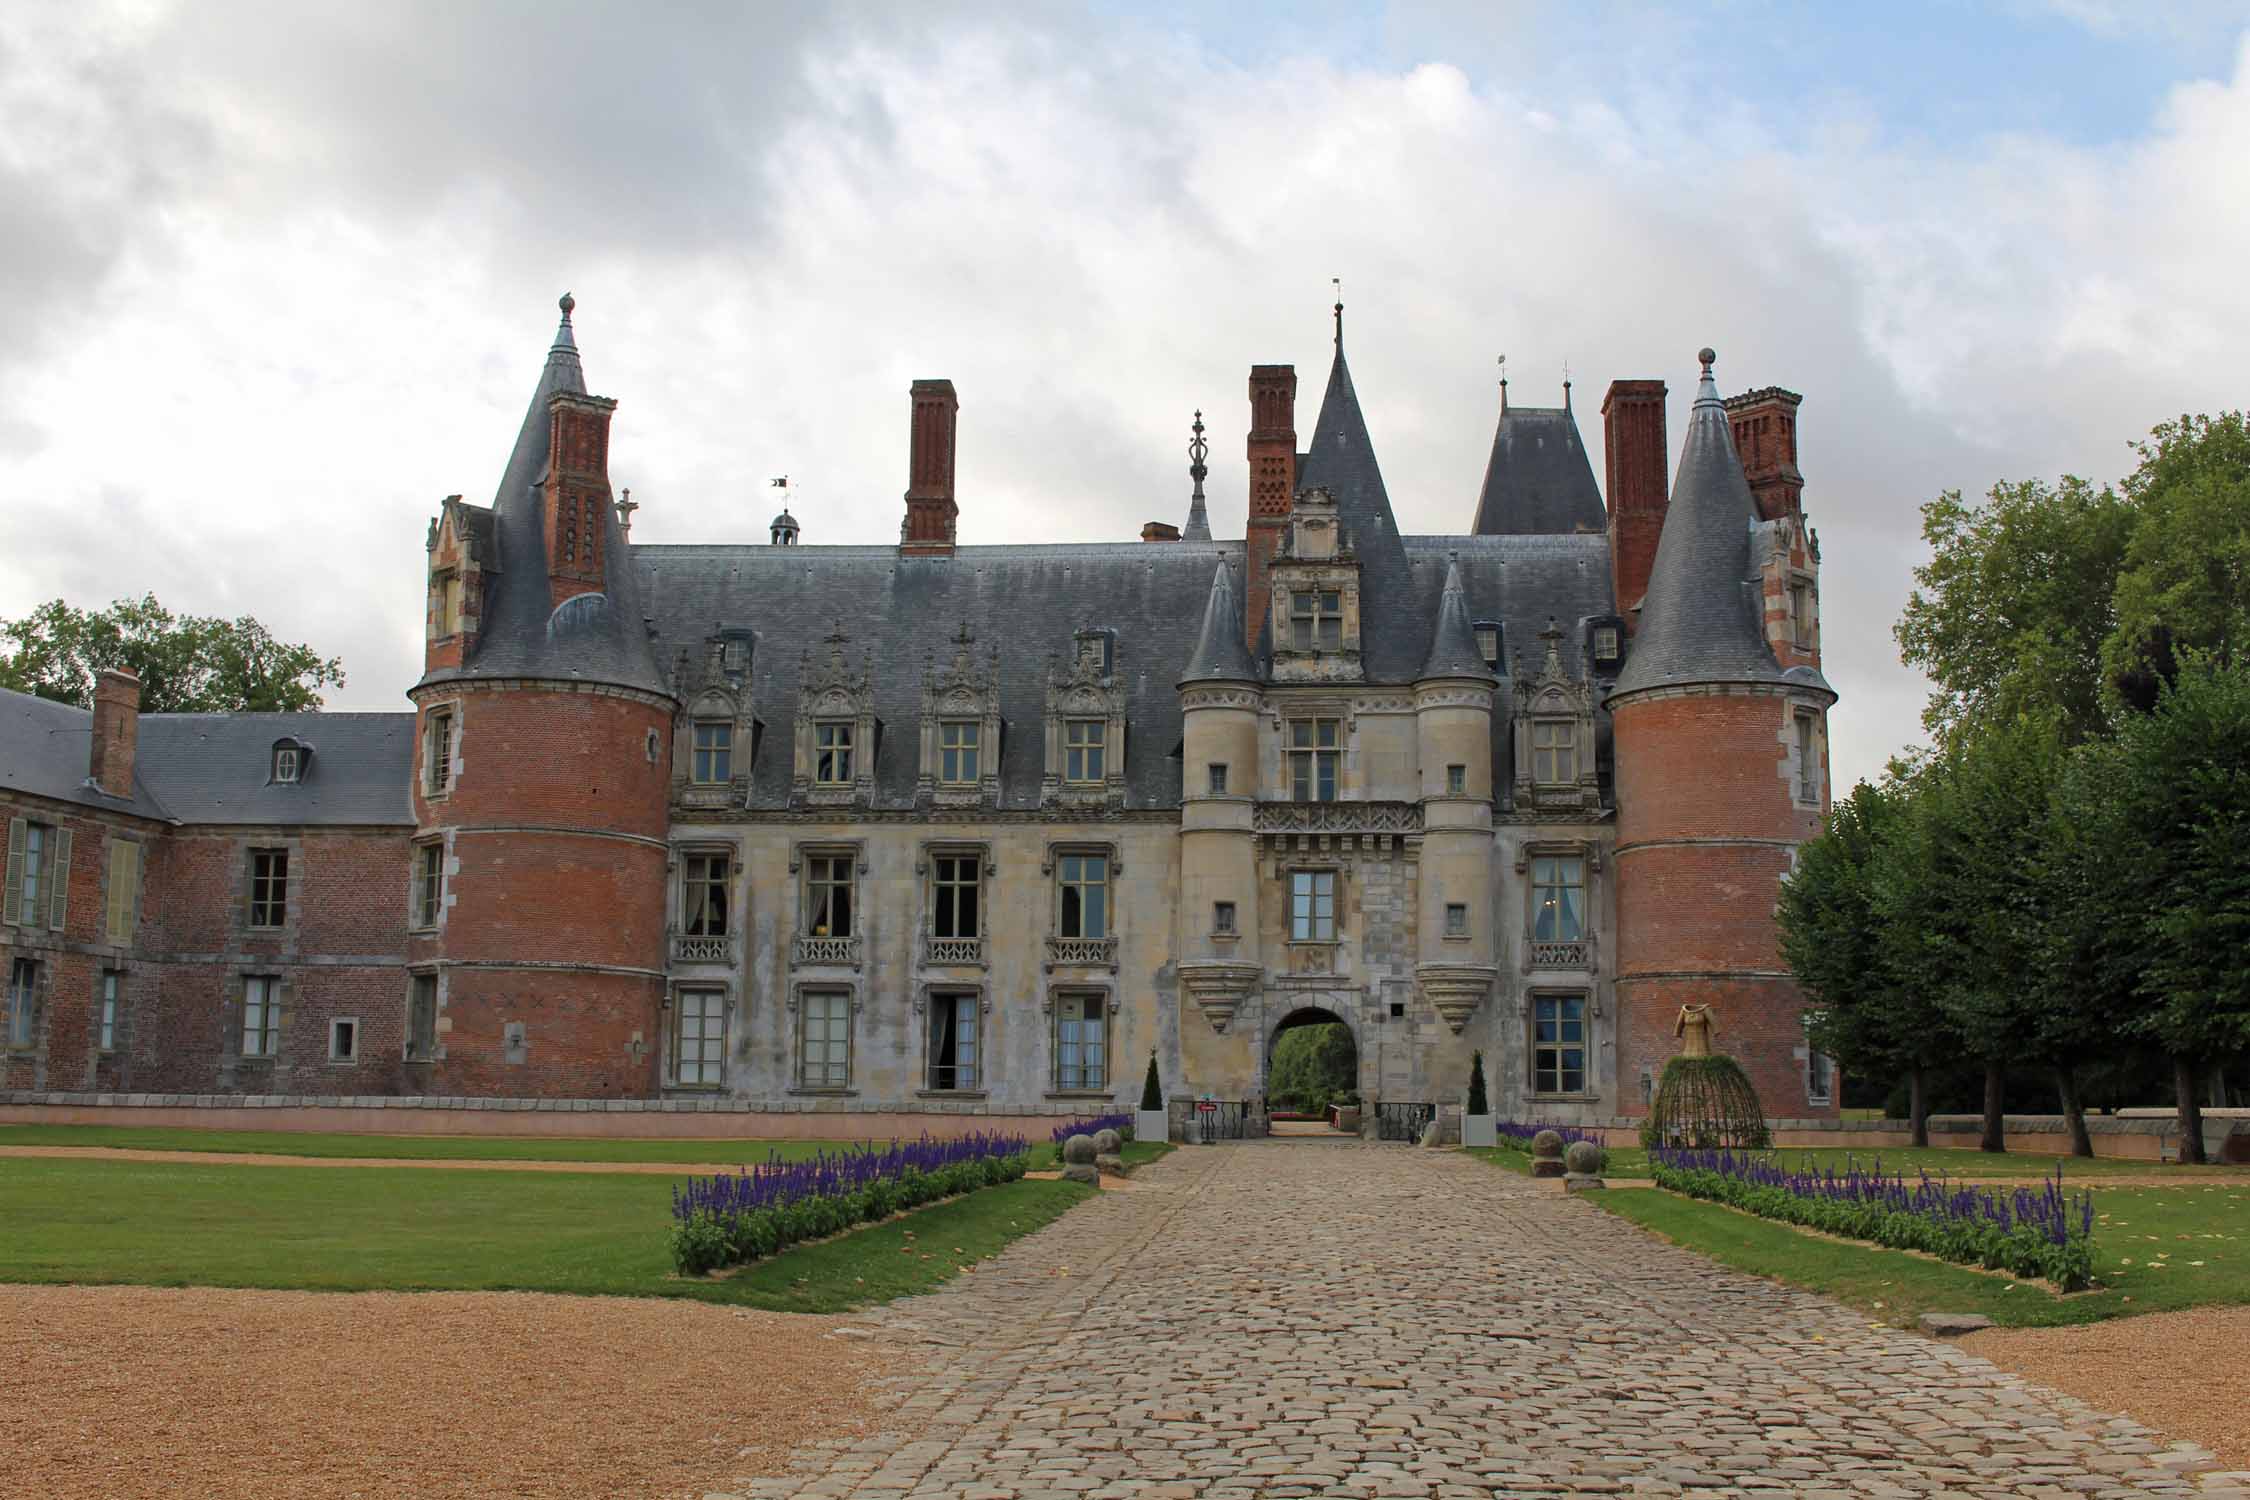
(1311, 1070)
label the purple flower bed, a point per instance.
(2045, 1231)
(1121, 1123)
(1517, 1134)
(739, 1216)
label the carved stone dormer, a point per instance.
(715, 735)
(1085, 729)
(1554, 735)
(462, 555)
(1315, 613)
(960, 729)
(836, 729)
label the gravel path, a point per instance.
(2188, 1372)
(118, 1393)
(1278, 1319)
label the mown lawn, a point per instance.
(418, 1228)
(1632, 1161)
(2156, 1249)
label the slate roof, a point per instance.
(589, 638)
(1220, 655)
(1453, 642)
(215, 768)
(1539, 479)
(1700, 617)
(1341, 460)
(1155, 596)
(46, 750)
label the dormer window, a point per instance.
(714, 753)
(288, 763)
(832, 754)
(1488, 645)
(1605, 643)
(1316, 619)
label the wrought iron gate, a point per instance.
(1210, 1121)
(1402, 1122)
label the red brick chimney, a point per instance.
(1633, 437)
(578, 511)
(1765, 436)
(1273, 485)
(117, 731)
(1159, 531)
(931, 512)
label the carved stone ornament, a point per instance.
(712, 690)
(1554, 698)
(1219, 988)
(830, 691)
(1455, 990)
(1085, 690)
(963, 697)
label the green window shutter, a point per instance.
(58, 881)
(13, 892)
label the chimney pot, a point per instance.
(117, 731)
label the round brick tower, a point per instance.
(1714, 791)
(537, 966)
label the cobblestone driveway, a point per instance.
(1313, 1318)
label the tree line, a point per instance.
(2063, 878)
(186, 663)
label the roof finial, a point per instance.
(1708, 356)
(1503, 385)
(1566, 385)
(1338, 283)
(1199, 519)
(563, 338)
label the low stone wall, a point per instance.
(656, 1119)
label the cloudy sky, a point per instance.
(278, 277)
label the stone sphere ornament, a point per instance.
(1108, 1143)
(1546, 1154)
(1584, 1158)
(1079, 1151)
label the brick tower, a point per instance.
(1719, 777)
(543, 755)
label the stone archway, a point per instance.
(1303, 1071)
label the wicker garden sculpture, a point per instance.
(1704, 1098)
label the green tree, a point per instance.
(1844, 952)
(2013, 609)
(1313, 1064)
(2182, 798)
(2185, 581)
(186, 663)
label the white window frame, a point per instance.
(699, 1052)
(1316, 618)
(338, 1057)
(429, 884)
(848, 862)
(439, 735)
(1533, 886)
(940, 860)
(421, 1026)
(1548, 764)
(1085, 751)
(23, 1003)
(276, 902)
(261, 1016)
(1315, 902)
(1559, 1046)
(287, 761)
(1073, 1010)
(835, 1009)
(835, 748)
(695, 892)
(960, 752)
(940, 1006)
(1308, 760)
(715, 756)
(112, 1004)
(1064, 860)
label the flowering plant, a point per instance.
(1121, 1123)
(766, 1207)
(2034, 1232)
(1515, 1135)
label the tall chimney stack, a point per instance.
(117, 731)
(931, 512)
(579, 512)
(1273, 485)
(1633, 437)
(1765, 436)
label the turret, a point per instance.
(1720, 760)
(1453, 739)
(1220, 695)
(537, 952)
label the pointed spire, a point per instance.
(1453, 645)
(1699, 620)
(1220, 654)
(1198, 527)
(1341, 460)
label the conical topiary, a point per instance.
(1152, 1092)
(1478, 1104)
(1705, 1101)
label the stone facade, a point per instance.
(946, 830)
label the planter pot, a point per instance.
(1479, 1130)
(1151, 1125)
(1347, 1119)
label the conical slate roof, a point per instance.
(1539, 480)
(1700, 618)
(1220, 655)
(1341, 460)
(591, 638)
(1453, 648)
